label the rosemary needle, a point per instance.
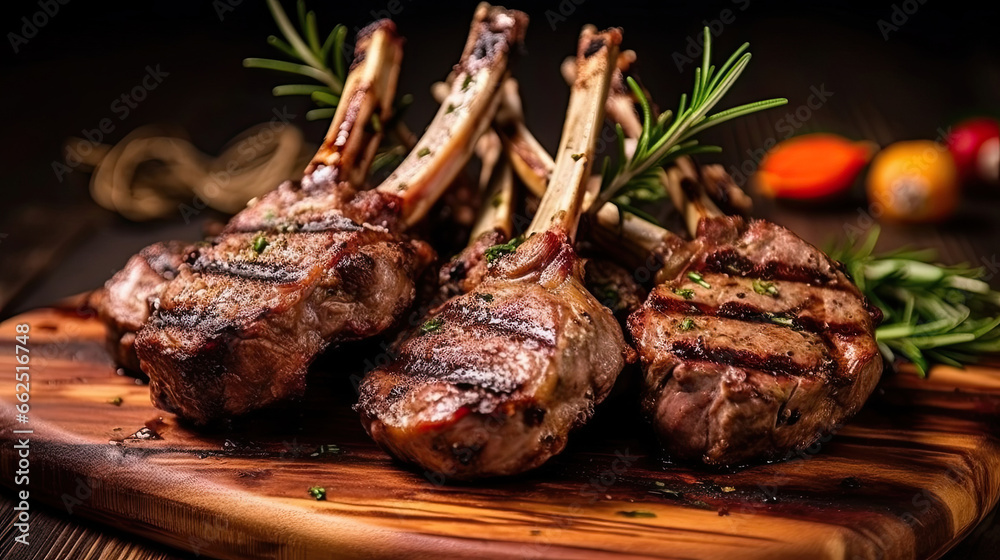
(669, 136)
(323, 62)
(932, 313)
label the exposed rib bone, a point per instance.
(684, 187)
(620, 105)
(467, 111)
(563, 202)
(497, 212)
(350, 142)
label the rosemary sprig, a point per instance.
(323, 62)
(670, 135)
(933, 313)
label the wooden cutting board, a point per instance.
(907, 478)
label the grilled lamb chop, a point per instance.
(316, 262)
(753, 344)
(496, 381)
(123, 304)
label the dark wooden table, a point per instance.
(939, 64)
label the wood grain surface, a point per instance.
(907, 478)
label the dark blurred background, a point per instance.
(927, 64)
(908, 77)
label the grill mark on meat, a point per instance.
(273, 273)
(729, 261)
(697, 350)
(504, 320)
(727, 384)
(750, 314)
(817, 309)
(666, 305)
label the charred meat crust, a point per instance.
(125, 300)
(495, 384)
(778, 350)
(231, 335)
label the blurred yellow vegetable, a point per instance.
(914, 182)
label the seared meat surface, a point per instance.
(245, 316)
(315, 262)
(494, 383)
(124, 304)
(614, 287)
(755, 345)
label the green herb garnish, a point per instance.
(317, 492)
(423, 152)
(485, 297)
(669, 136)
(322, 62)
(686, 293)
(765, 288)
(607, 294)
(779, 320)
(698, 279)
(933, 313)
(496, 251)
(326, 450)
(117, 401)
(636, 513)
(431, 325)
(259, 243)
(687, 324)
(450, 109)
(576, 157)
(466, 82)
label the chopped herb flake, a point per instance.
(698, 279)
(451, 108)
(687, 324)
(259, 243)
(497, 201)
(686, 293)
(484, 297)
(576, 157)
(495, 252)
(423, 152)
(376, 123)
(325, 450)
(636, 513)
(117, 401)
(765, 288)
(467, 82)
(782, 321)
(431, 325)
(317, 492)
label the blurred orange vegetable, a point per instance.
(914, 181)
(812, 166)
